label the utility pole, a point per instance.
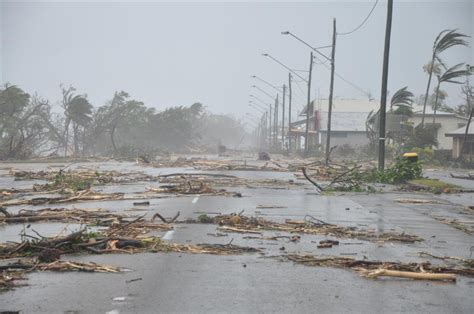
(270, 127)
(289, 112)
(308, 111)
(283, 118)
(383, 94)
(275, 123)
(331, 92)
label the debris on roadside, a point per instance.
(98, 217)
(374, 269)
(244, 224)
(325, 244)
(416, 201)
(466, 226)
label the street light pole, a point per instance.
(270, 131)
(383, 94)
(275, 123)
(308, 109)
(289, 112)
(331, 92)
(283, 118)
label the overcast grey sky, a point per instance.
(169, 54)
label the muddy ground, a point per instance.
(262, 282)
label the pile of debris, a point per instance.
(216, 165)
(221, 180)
(374, 269)
(36, 252)
(97, 217)
(244, 224)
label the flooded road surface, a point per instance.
(180, 282)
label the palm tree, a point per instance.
(449, 76)
(403, 100)
(77, 110)
(445, 39)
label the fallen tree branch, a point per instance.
(311, 180)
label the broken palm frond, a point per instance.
(311, 225)
(8, 279)
(13, 272)
(215, 165)
(465, 261)
(269, 206)
(205, 248)
(95, 176)
(466, 226)
(465, 177)
(98, 217)
(124, 237)
(417, 201)
(220, 180)
(341, 178)
(373, 269)
(81, 196)
(189, 187)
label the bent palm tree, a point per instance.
(77, 110)
(450, 76)
(403, 100)
(445, 39)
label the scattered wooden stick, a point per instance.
(311, 180)
(410, 275)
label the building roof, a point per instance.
(418, 111)
(461, 131)
(344, 105)
(344, 121)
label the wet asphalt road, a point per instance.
(254, 283)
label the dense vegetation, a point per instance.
(31, 126)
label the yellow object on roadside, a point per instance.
(411, 156)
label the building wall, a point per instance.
(339, 138)
(448, 124)
(456, 147)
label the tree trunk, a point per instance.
(436, 102)
(66, 136)
(428, 89)
(75, 128)
(466, 133)
(112, 134)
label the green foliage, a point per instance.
(422, 137)
(203, 218)
(434, 184)
(425, 154)
(402, 99)
(64, 181)
(401, 171)
(24, 123)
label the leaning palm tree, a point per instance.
(445, 39)
(403, 100)
(77, 110)
(451, 75)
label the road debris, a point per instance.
(256, 225)
(374, 269)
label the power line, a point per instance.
(363, 22)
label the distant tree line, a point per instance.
(31, 126)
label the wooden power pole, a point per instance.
(383, 94)
(331, 92)
(308, 109)
(289, 111)
(283, 118)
